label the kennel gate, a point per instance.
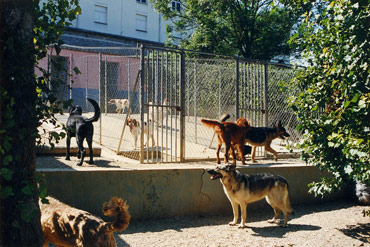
(162, 105)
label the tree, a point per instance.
(252, 29)
(334, 106)
(24, 23)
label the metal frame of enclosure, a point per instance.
(169, 91)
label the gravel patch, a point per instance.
(327, 224)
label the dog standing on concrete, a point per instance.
(121, 104)
(81, 127)
(231, 135)
(242, 189)
(135, 130)
(263, 136)
(66, 226)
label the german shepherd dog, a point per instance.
(81, 127)
(263, 136)
(242, 189)
(231, 135)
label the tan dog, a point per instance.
(242, 189)
(121, 104)
(231, 135)
(66, 226)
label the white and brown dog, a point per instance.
(121, 104)
(134, 126)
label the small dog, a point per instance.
(230, 134)
(121, 104)
(134, 127)
(64, 225)
(263, 136)
(242, 189)
(81, 127)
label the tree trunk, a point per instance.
(19, 210)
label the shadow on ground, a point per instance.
(182, 222)
(360, 232)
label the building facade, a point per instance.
(116, 23)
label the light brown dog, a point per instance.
(231, 135)
(66, 226)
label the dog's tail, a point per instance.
(212, 124)
(119, 208)
(224, 117)
(97, 111)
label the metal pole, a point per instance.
(128, 81)
(195, 103)
(141, 96)
(100, 119)
(182, 106)
(265, 80)
(105, 87)
(70, 75)
(237, 89)
(87, 83)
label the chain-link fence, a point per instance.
(168, 92)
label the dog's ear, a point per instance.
(279, 125)
(70, 109)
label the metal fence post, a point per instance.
(265, 98)
(237, 89)
(105, 86)
(182, 106)
(70, 75)
(99, 91)
(195, 103)
(87, 83)
(141, 104)
(128, 81)
(265, 82)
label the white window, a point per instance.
(176, 5)
(100, 14)
(141, 22)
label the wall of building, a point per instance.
(123, 18)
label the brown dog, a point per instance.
(263, 136)
(230, 134)
(66, 226)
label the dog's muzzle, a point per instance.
(283, 135)
(214, 174)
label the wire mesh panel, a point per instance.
(278, 99)
(167, 92)
(252, 95)
(210, 93)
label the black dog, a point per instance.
(81, 127)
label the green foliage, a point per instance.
(334, 106)
(251, 29)
(50, 18)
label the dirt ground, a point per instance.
(328, 224)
